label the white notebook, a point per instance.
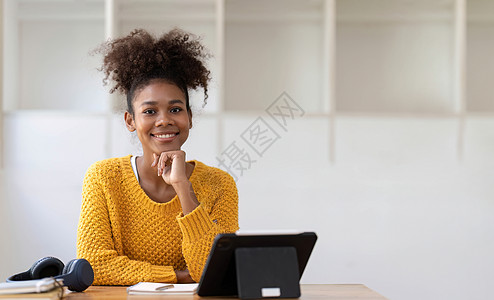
(145, 288)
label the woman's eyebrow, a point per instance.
(152, 102)
(175, 101)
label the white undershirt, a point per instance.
(134, 166)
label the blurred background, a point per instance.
(379, 116)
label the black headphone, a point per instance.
(77, 275)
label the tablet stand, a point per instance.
(267, 272)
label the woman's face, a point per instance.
(160, 117)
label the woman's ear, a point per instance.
(129, 121)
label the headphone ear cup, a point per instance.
(68, 267)
(77, 275)
(46, 267)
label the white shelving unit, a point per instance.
(336, 58)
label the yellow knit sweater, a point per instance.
(128, 238)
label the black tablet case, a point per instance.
(245, 265)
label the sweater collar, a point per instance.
(130, 179)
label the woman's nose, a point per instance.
(163, 120)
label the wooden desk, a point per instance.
(309, 292)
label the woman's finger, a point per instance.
(164, 158)
(155, 160)
(160, 164)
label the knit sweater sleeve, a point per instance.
(217, 213)
(95, 242)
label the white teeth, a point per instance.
(165, 136)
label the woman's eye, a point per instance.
(149, 111)
(175, 110)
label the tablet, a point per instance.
(219, 277)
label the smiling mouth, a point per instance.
(165, 136)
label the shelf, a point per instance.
(167, 7)
(167, 11)
(480, 11)
(48, 43)
(54, 113)
(272, 11)
(383, 11)
(480, 68)
(60, 10)
(61, 74)
(263, 59)
(394, 67)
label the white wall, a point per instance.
(397, 210)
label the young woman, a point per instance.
(154, 217)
